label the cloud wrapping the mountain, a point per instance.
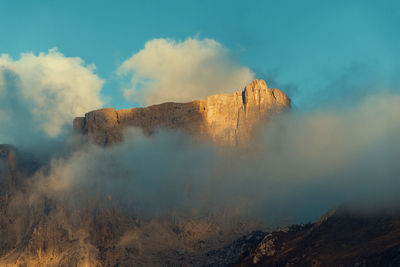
(41, 94)
(300, 165)
(167, 70)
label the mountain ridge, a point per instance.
(227, 119)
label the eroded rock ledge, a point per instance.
(227, 119)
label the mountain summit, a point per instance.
(227, 119)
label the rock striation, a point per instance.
(227, 119)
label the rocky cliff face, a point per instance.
(227, 119)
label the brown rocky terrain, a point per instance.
(227, 119)
(342, 237)
(36, 230)
(48, 232)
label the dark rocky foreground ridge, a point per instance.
(77, 230)
(342, 237)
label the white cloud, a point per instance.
(167, 70)
(43, 93)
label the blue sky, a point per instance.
(313, 50)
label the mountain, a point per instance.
(225, 119)
(38, 228)
(89, 228)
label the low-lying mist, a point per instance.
(299, 165)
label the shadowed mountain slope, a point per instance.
(343, 237)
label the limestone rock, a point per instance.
(227, 119)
